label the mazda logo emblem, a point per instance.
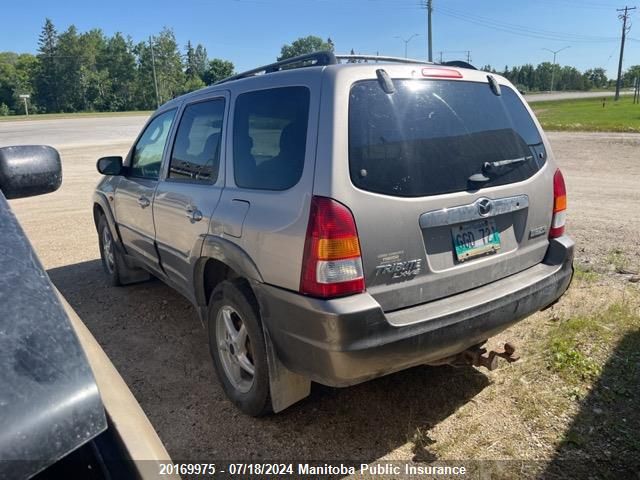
(484, 207)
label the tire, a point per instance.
(236, 341)
(108, 252)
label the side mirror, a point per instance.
(110, 165)
(27, 170)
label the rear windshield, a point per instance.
(430, 136)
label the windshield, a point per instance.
(430, 136)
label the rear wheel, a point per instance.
(237, 346)
(108, 252)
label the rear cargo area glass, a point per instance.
(430, 136)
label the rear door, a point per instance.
(449, 189)
(191, 187)
(134, 194)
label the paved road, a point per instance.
(67, 132)
(545, 97)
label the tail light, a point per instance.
(332, 265)
(559, 206)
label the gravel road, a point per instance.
(157, 343)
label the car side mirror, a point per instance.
(27, 170)
(110, 165)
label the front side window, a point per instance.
(196, 151)
(147, 154)
(269, 138)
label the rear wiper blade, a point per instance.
(489, 167)
(502, 163)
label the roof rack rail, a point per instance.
(378, 58)
(314, 59)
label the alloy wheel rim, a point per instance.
(235, 349)
(107, 250)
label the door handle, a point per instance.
(143, 202)
(194, 214)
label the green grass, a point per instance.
(574, 345)
(53, 116)
(618, 259)
(588, 114)
(584, 273)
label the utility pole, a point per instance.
(406, 42)
(429, 40)
(155, 79)
(553, 67)
(441, 52)
(624, 17)
(468, 56)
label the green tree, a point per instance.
(26, 67)
(200, 60)
(168, 65)
(7, 79)
(595, 78)
(304, 45)
(69, 60)
(170, 76)
(119, 61)
(46, 81)
(543, 76)
(630, 75)
(192, 68)
(217, 70)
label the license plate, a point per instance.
(477, 238)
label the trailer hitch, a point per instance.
(478, 357)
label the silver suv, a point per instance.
(335, 222)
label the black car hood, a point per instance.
(49, 400)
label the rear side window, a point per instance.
(196, 151)
(430, 136)
(269, 137)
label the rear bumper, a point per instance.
(349, 340)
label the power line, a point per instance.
(522, 30)
(624, 17)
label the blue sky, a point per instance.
(251, 32)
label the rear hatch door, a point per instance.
(451, 190)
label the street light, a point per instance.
(553, 68)
(406, 42)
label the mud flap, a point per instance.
(286, 387)
(127, 272)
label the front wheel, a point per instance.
(237, 346)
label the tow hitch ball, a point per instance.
(478, 356)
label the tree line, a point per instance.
(91, 71)
(539, 78)
(77, 71)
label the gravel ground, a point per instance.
(157, 343)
